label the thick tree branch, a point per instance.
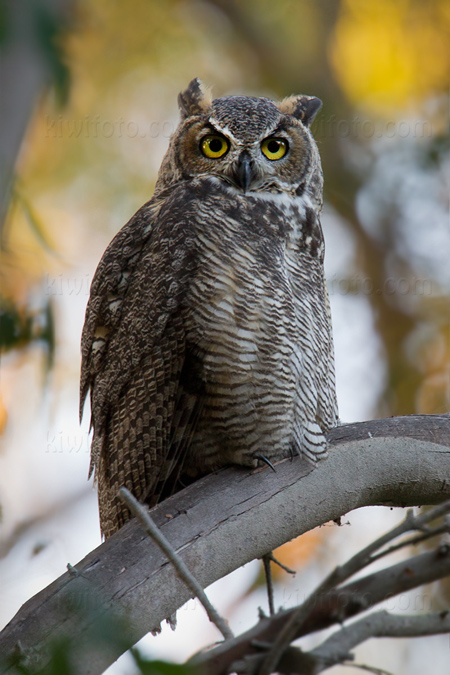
(141, 513)
(227, 519)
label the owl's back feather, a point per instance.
(133, 356)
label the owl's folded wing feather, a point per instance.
(133, 352)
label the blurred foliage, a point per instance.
(20, 326)
(61, 658)
(377, 65)
(48, 29)
(59, 663)
(15, 328)
(388, 54)
(21, 322)
(35, 222)
(62, 654)
(148, 667)
(3, 21)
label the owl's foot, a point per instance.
(292, 453)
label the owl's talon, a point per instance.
(266, 461)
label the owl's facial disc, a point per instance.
(267, 152)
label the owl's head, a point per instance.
(252, 144)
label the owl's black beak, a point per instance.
(245, 171)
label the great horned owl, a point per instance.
(207, 338)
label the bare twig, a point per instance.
(42, 517)
(367, 555)
(412, 541)
(280, 564)
(368, 669)
(141, 513)
(379, 624)
(269, 582)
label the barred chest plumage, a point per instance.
(254, 308)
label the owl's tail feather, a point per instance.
(171, 477)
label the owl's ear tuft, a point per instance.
(195, 100)
(302, 107)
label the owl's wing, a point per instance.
(133, 356)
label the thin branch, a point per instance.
(280, 564)
(337, 648)
(269, 582)
(379, 624)
(45, 515)
(142, 514)
(367, 555)
(413, 541)
(368, 669)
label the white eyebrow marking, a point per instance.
(224, 129)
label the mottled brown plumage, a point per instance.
(207, 338)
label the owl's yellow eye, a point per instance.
(214, 146)
(274, 148)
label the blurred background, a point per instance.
(88, 104)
